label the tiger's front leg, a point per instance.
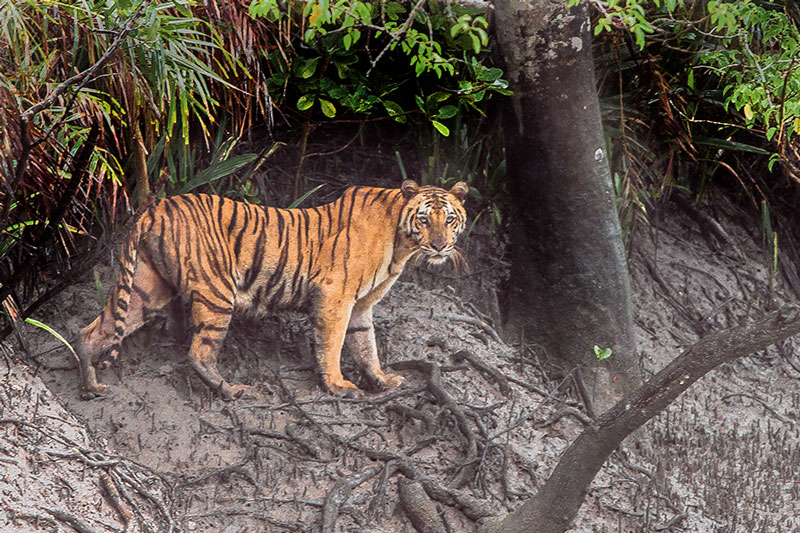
(331, 316)
(360, 343)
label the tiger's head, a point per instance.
(433, 218)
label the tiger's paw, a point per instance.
(342, 387)
(91, 392)
(234, 392)
(391, 381)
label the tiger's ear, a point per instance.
(409, 188)
(460, 190)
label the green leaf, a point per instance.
(52, 332)
(393, 108)
(476, 43)
(436, 98)
(305, 101)
(602, 353)
(300, 200)
(328, 109)
(490, 75)
(448, 111)
(734, 146)
(441, 128)
(308, 68)
(217, 170)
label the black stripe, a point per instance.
(349, 224)
(340, 220)
(198, 298)
(364, 198)
(319, 223)
(233, 220)
(277, 273)
(144, 295)
(281, 224)
(277, 296)
(258, 264)
(380, 196)
(333, 247)
(237, 247)
(307, 221)
(299, 264)
(208, 327)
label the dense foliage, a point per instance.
(363, 59)
(718, 80)
(170, 88)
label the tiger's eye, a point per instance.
(450, 219)
(424, 220)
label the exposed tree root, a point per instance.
(419, 508)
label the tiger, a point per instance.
(333, 261)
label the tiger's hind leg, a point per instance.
(148, 293)
(210, 322)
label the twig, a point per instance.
(410, 412)
(272, 434)
(73, 521)
(561, 413)
(396, 35)
(763, 404)
(471, 320)
(111, 492)
(221, 472)
(480, 365)
(674, 521)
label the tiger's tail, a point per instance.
(122, 293)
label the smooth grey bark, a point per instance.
(558, 501)
(569, 287)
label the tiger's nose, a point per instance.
(438, 243)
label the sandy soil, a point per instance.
(724, 457)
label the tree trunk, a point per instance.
(558, 501)
(569, 287)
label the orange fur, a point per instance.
(334, 261)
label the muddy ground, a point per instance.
(476, 424)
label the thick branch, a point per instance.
(557, 503)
